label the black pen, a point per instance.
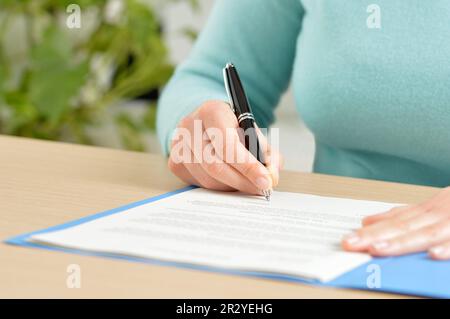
(241, 108)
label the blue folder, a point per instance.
(412, 274)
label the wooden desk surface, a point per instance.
(46, 183)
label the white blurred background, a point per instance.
(296, 142)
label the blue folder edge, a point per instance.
(414, 274)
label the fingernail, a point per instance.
(262, 183)
(437, 251)
(352, 239)
(381, 245)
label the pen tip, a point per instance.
(267, 194)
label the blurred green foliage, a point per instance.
(57, 82)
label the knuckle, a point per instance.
(208, 108)
(216, 109)
(203, 112)
(403, 225)
(425, 207)
(438, 231)
(185, 122)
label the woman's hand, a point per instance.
(409, 229)
(207, 152)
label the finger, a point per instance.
(246, 164)
(435, 201)
(214, 172)
(415, 219)
(394, 212)
(200, 177)
(205, 180)
(181, 172)
(416, 241)
(194, 139)
(229, 147)
(226, 174)
(180, 151)
(440, 252)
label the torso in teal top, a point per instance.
(376, 99)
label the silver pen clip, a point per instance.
(226, 80)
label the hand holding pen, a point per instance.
(246, 120)
(191, 161)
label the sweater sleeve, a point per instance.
(259, 37)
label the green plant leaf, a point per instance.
(190, 33)
(55, 78)
(46, 101)
(130, 133)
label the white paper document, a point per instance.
(293, 234)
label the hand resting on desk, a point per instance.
(408, 229)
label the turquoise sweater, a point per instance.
(376, 99)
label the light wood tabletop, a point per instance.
(47, 183)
